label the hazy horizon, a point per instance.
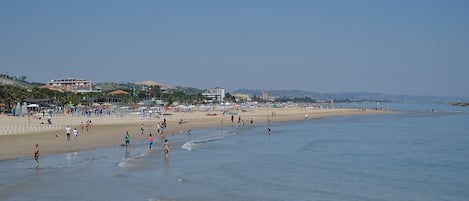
(389, 47)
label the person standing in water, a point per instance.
(36, 155)
(150, 141)
(127, 138)
(166, 148)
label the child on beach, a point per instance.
(75, 133)
(150, 141)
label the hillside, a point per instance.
(110, 86)
(18, 83)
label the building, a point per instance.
(216, 94)
(242, 97)
(265, 96)
(72, 85)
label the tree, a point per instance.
(230, 97)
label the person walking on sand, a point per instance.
(91, 125)
(166, 148)
(87, 125)
(150, 141)
(36, 155)
(68, 129)
(49, 119)
(142, 128)
(75, 133)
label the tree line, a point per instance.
(10, 95)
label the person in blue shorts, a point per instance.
(127, 138)
(150, 141)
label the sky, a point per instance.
(407, 47)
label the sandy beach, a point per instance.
(19, 134)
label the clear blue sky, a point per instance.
(393, 47)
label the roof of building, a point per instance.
(118, 92)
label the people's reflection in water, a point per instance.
(127, 151)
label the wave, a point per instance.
(130, 163)
(196, 144)
(136, 162)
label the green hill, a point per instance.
(18, 83)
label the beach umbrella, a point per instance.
(32, 105)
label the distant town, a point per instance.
(77, 92)
(73, 92)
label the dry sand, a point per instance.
(18, 135)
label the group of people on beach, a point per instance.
(89, 125)
(68, 130)
(160, 128)
(166, 148)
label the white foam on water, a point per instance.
(196, 144)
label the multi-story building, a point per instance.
(265, 96)
(216, 94)
(242, 97)
(72, 85)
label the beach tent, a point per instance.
(33, 107)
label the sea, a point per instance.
(419, 152)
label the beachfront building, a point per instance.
(216, 94)
(265, 96)
(242, 97)
(72, 85)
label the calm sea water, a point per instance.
(415, 154)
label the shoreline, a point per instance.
(109, 131)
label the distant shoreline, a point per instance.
(109, 131)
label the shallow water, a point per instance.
(412, 155)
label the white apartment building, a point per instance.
(72, 85)
(216, 94)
